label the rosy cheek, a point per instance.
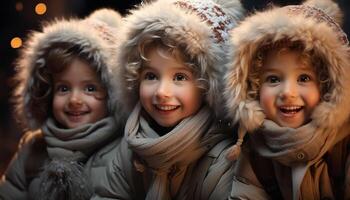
(267, 98)
(312, 96)
(265, 95)
(264, 102)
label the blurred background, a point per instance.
(20, 17)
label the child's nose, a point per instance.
(75, 99)
(163, 89)
(289, 90)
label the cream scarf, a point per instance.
(179, 148)
(79, 143)
(302, 150)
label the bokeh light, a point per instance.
(19, 6)
(40, 8)
(16, 42)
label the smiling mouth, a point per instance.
(290, 109)
(166, 107)
(77, 114)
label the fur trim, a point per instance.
(75, 32)
(329, 7)
(272, 25)
(186, 29)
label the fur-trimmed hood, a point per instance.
(93, 35)
(185, 28)
(316, 30)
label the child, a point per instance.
(64, 97)
(171, 61)
(287, 86)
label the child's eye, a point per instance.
(304, 78)
(272, 79)
(61, 88)
(90, 88)
(180, 77)
(150, 76)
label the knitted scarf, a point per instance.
(179, 148)
(302, 150)
(78, 143)
(63, 176)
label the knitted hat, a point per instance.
(199, 26)
(313, 27)
(93, 36)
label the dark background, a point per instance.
(18, 23)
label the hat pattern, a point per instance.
(319, 16)
(213, 14)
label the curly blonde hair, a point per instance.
(164, 47)
(307, 56)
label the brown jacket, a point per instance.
(250, 168)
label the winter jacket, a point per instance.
(205, 181)
(21, 179)
(250, 169)
(93, 39)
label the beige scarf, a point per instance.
(302, 149)
(78, 143)
(179, 148)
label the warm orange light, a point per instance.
(40, 8)
(19, 6)
(16, 42)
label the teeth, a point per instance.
(290, 107)
(166, 107)
(76, 113)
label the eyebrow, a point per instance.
(269, 70)
(306, 68)
(146, 66)
(65, 81)
(184, 68)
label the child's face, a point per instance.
(78, 97)
(168, 90)
(289, 89)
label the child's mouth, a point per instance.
(166, 108)
(290, 110)
(77, 114)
